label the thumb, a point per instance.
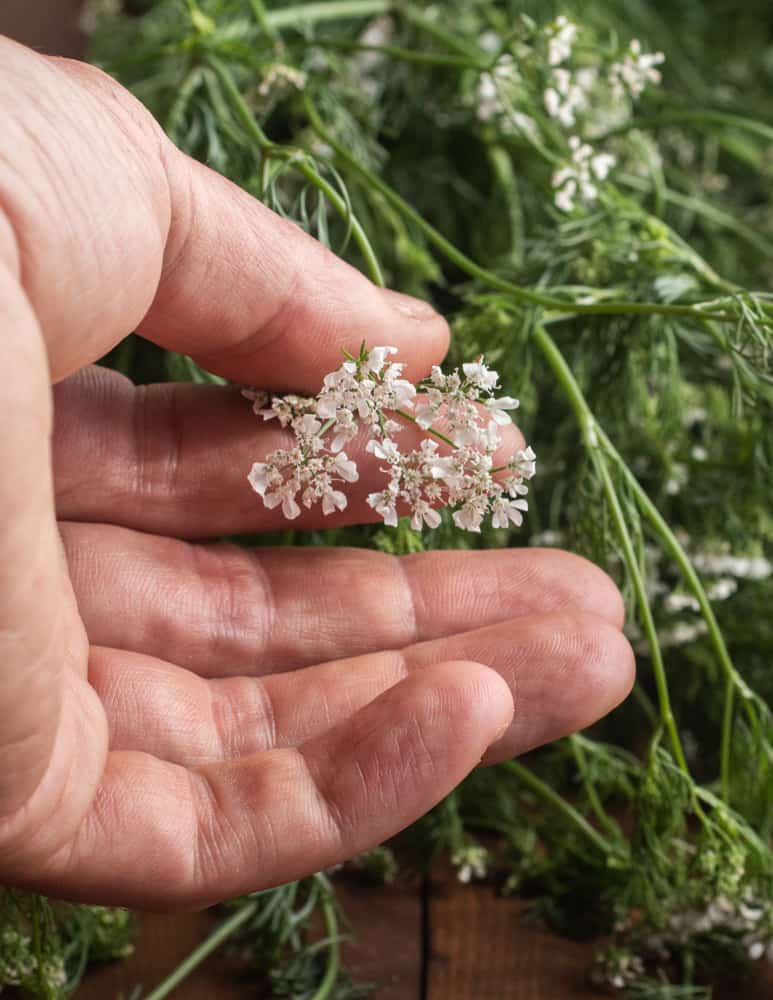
(50, 721)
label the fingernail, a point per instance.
(408, 306)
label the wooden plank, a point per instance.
(482, 949)
(386, 927)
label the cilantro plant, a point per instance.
(585, 189)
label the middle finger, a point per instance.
(221, 610)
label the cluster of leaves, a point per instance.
(630, 330)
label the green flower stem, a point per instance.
(734, 681)
(416, 17)
(263, 18)
(545, 792)
(697, 117)
(602, 815)
(592, 441)
(330, 918)
(429, 430)
(207, 946)
(304, 168)
(334, 10)
(474, 270)
(645, 612)
(406, 55)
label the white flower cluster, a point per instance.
(489, 99)
(368, 394)
(635, 71)
(569, 93)
(279, 77)
(740, 567)
(578, 178)
(748, 919)
(19, 965)
(561, 35)
(471, 862)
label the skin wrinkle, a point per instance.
(158, 434)
(242, 621)
(227, 701)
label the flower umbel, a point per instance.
(450, 468)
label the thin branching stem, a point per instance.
(330, 919)
(537, 785)
(306, 14)
(301, 164)
(592, 442)
(566, 308)
(578, 752)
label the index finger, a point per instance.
(109, 228)
(245, 291)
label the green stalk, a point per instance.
(592, 441)
(648, 624)
(263, 18)
(733, 680)
(414, 16)
(335, 10)
(700, 117)
(207, 946)
(429, 430)
(406, 55)
(305, 169)
(474, 270)
(602, 816)
(545, 792)
(327, 985)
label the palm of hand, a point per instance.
(185, 722)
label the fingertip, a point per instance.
(477, 702)
(423, 335)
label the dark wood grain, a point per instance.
(481, 948)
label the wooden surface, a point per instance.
(438, 941)
(434, 941)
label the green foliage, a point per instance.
(632, 329)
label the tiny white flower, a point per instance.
(377, 358)
(479, 375)
(383, 503)
(258, 477)
(333, 500)
(499, 407)
(469, 518)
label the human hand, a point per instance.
(180, 722)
